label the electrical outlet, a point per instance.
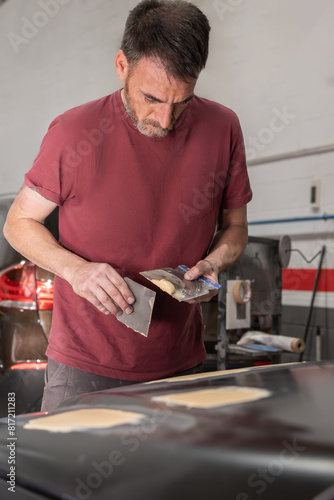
(315, 194)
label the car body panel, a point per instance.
(23, 333)
(277, 447)
(28, 387)
(23, 337)
(20, 493)
(7, 253)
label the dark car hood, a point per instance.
(279, 446)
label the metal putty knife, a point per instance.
(140, 319)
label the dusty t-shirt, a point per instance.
(137, 203)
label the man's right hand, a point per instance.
(101, 285)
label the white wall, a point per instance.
(273, 54)
(272, 61)
(65, 63)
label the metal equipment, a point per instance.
(250, 299)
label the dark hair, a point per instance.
(175, 32)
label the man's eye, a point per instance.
(148, 99)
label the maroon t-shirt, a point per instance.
(137, 203)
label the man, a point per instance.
(141, 178)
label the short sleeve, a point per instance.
(237, 191)
(51, 176)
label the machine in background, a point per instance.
(250, 299)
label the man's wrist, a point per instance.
(216, 262)
(71, 267)
(213, 264)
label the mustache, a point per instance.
(156, 124)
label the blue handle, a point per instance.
(202, 278)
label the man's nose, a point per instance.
(165, 115)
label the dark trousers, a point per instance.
(63, 382)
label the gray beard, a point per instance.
(141, 126)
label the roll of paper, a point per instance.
(290, 344)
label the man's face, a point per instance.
(153, 100)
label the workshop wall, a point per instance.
(276, 70)
(271, 61)
(55, 55)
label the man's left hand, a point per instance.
(208, 270)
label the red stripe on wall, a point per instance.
(303, 280)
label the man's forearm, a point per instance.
(98, 282)
(32, 240)
(228, 246)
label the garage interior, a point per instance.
(272, 62)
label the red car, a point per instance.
(26, 301)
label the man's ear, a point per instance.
(122, 65)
